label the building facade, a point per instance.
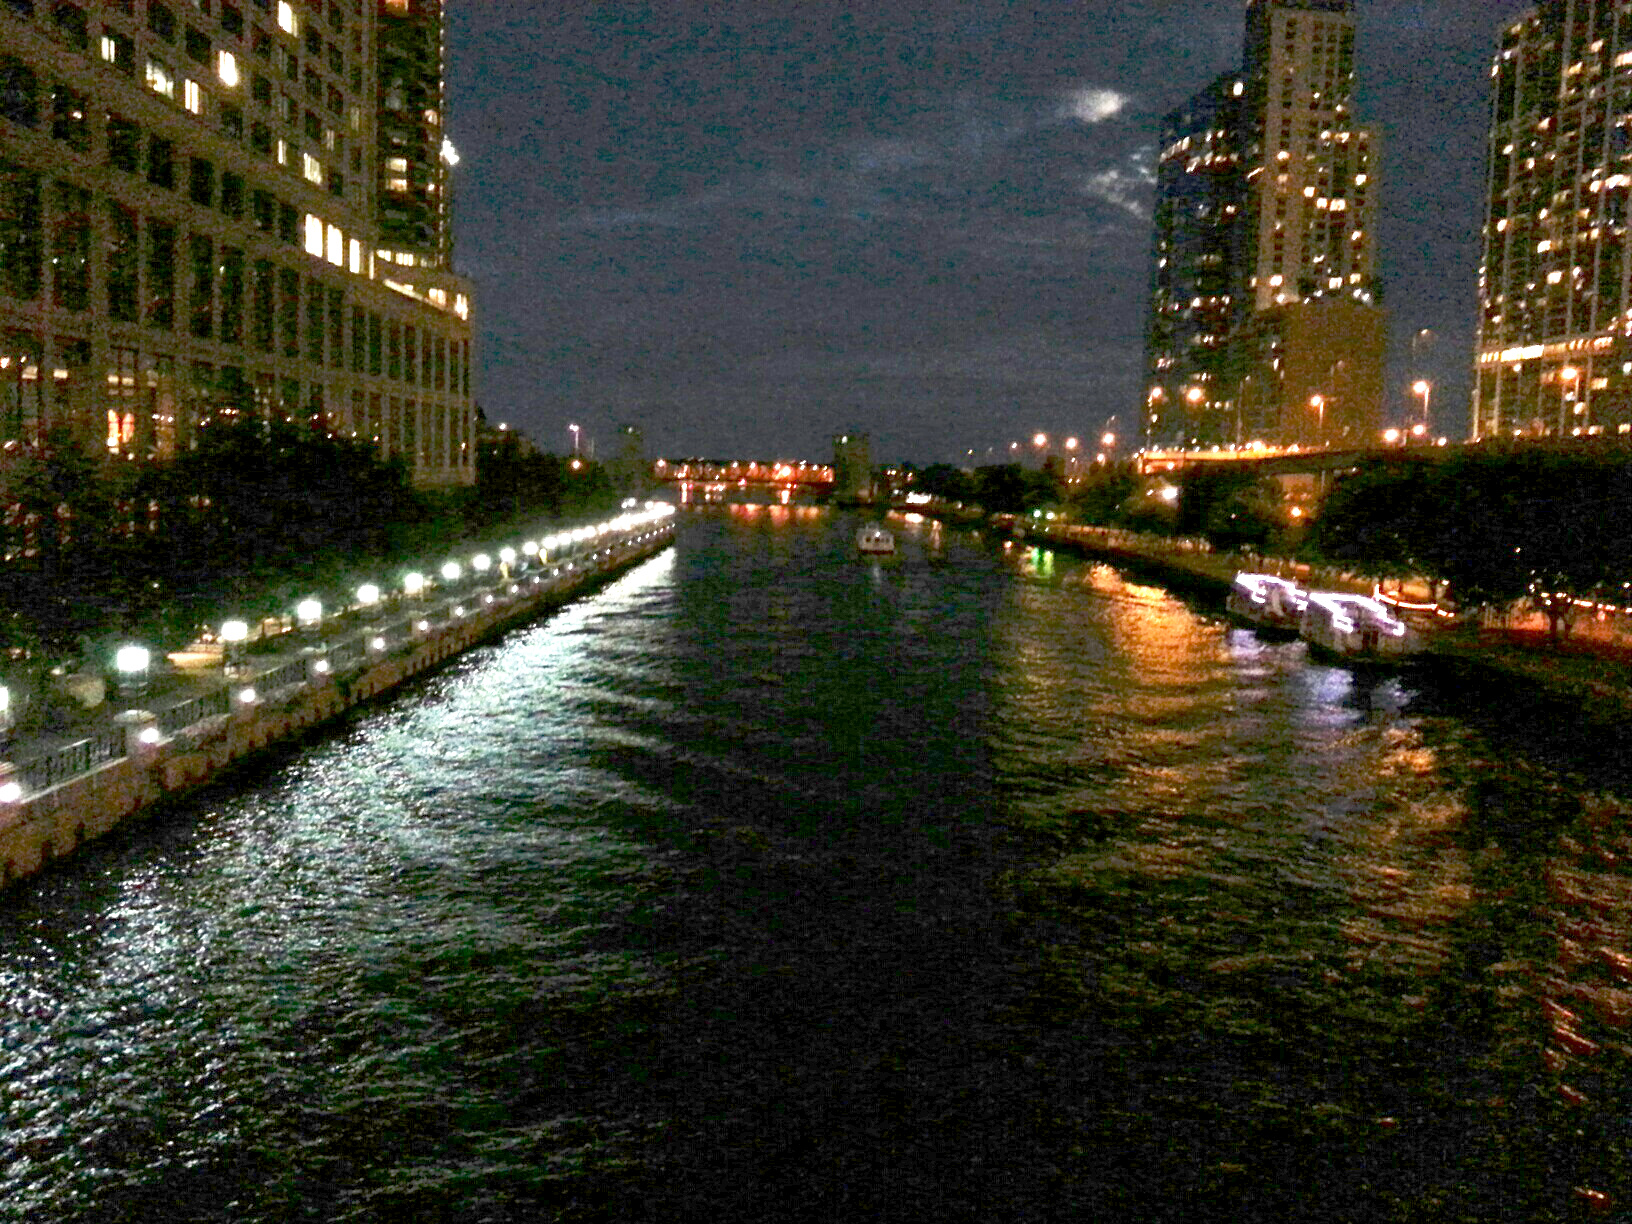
(1199, 294)
(1554, 350)
(1263, 247)
(194, 202)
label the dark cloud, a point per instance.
(744, 225)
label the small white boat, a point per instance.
(874, 541)
(1357, 627)
(1267, 602)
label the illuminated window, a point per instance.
(312, 168)
(286, 17)
(192, 97)
(159, 79)
(399, 164)
(356, 263)
(336, 253)
(396, 184)
(283, 152)
(314, 235)
(110, 49)
(226, 67)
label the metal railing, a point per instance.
(292, 672)
(195, 710)
(71, 760)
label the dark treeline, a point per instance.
(260, 514)
(1496, 527)
(1232, 508)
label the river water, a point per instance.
(771, 884)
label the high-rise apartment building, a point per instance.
(1555, 325)
(200, 217)
(1263, 323)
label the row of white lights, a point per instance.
(133, 661)
(309, 612)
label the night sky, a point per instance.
(743, 225)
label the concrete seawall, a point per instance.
(49, 824)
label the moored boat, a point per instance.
(875, 541)
(1267, 603)
(1357, 627)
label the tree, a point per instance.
(944, 481)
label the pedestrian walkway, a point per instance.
(207, 677)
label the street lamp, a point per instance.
(1425, 389)
(131, 663)
(1318, 403)
(413, 584)
(308, 612)
(233, 635)
(574, 429)
(368, 595)
(1568, 376)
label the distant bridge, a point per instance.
(1291, 461)
(720, 475)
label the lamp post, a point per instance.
(574, 429)
(233, 635)
(1318, 403)
(1425, 389)
(131, 663)
(1568, 377)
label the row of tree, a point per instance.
(260, 514)
(1494, 527)
(1497, 527)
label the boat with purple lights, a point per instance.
(1267, 603)
(1357, 628)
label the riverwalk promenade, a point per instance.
(159, 735)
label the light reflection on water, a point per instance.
(770, 883)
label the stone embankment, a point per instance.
(51, 803)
